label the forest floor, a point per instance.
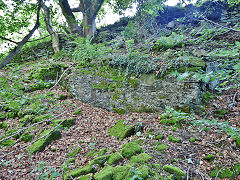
(90, 132)
(202, 145)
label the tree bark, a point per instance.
(70, 18)
(53, 34)
(89, 9)
(8, 59)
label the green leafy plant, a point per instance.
(173, 41)
(221, 126)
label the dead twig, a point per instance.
(64, 72)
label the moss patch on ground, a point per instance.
(141, 158)
(43, 142)
(78, 172)
(131, 149)
(121, 130)
(105, 174)
(115, 158)
(174, 170)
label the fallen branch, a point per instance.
(34, 140)
(64, 72)
(25, 128)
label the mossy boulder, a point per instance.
(43, 142)
(174, 170)
(86, 177)
(99, 160)
(173, 139)
(123, 172)
(13, 131)
(26, 137)
(8, 142)
(67, 122)
(49, 72)
(145, 171)
(105, 174)
(209, 157)
(115, 158)
(79, 172)
(131, 149)
(141, 158)
(161, 147)
(73, 153)
(121, 130)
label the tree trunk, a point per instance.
(89, 25)
(70, 18)
(8, 59)
(53, 34)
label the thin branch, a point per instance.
(34, 140)
(225, 27)
(39, 38)
(64, 72)
(25, 128)
(8, 40)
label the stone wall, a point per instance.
(150, 94)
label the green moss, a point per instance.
(62, 97)
(145, 171)
(3, 126)
(26, 137)
(79, 111)
(236, 169)
(220, 113)
(115, 158)
(47, 72)
(105, 174)
(67, 122)
(8, 142)
(13, 131)
(188, 69)
(123, 172)
(41, 118)
(192, 139)
(209, 157)
(79, 172)
(141, 158)
(91, 153)
(174, 170)
(119, 110)
(102, 151)
(207, 96)
(139, 141)
(159, 137)
(238, 142)
(86, 177)
(27, 119)
(223, 173)
(173, 139)
(73, 153)
(161, 147)
(131, 149)
(43, 142)
(121, 131)
(2, 116)
(99, 160)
